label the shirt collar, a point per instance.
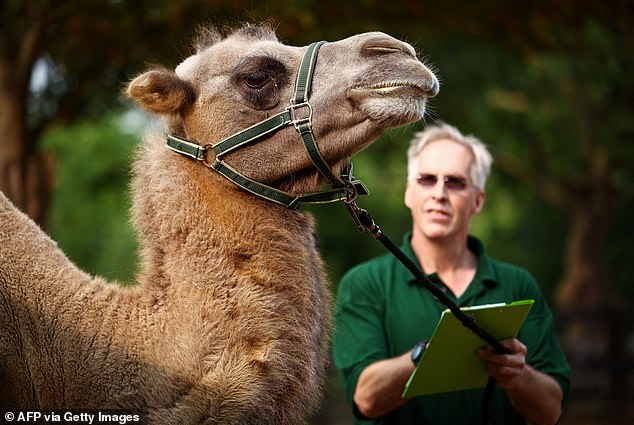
(484, 272)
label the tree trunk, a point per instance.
(583, 293)
(14, 136)
(585, 285)
(594, 319)
(25, 174)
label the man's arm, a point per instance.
(536, 396)
(381, 384)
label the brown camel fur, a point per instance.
(229, 320)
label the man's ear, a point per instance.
(479, 202)
(408, 195)
(161, 91)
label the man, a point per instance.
(381, 313)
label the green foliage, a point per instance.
(501, 96)
(619, 253)
(89, 214)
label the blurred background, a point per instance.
(547, 85)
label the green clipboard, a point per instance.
(449, 362)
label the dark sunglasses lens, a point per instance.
(427, 180)
(455, 183)
(451, 182)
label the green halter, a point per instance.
(299, 113)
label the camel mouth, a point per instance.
(393, 103)
(396, 89)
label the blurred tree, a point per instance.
(560, 70)
(80, 58)
(546, 85)
(81, 51)
(557, 118)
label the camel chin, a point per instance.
(391, 106)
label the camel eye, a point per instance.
(257, 80)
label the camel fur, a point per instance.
(228, 322)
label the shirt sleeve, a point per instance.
(544, 351)
(359, 332)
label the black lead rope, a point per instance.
(468, 321)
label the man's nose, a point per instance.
(439, 190)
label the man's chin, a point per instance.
(437, 231)
(437, 236)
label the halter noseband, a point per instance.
(299, 113)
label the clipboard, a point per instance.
(449, 362)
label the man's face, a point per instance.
(443, 199)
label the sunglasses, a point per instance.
(454, 183)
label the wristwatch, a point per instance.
(418, 350)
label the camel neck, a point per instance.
(191, 214)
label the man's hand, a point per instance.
(507, 369)
(534, 395)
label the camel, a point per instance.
(228, 321)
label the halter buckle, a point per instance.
(297, 120)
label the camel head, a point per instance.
(361, 86)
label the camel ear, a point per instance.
(161, 91)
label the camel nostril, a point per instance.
(433, 87)
(385, 45)
(384, 50)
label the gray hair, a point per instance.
(481, 167)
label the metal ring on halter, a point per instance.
(299, 121)
(351, 193)
(208, 163)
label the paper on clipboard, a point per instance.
(449, 363)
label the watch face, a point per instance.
(417, 351)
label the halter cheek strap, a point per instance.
(299, 114)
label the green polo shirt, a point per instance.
(382, 312)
